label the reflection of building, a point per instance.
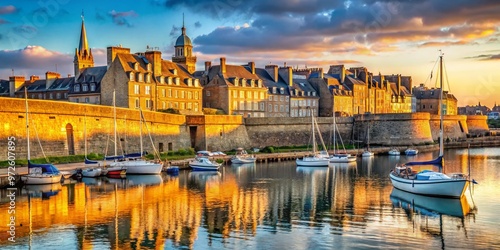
(428, 101)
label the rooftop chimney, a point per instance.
(208, 65)
(154, 57)
(223, 65)
(15, 83)
(50, 78)
(289, 76)
(113, 51)
(34, 78)
(252, 67)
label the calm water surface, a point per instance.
(267, 206)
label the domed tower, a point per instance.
(83, 55)
(184, 51)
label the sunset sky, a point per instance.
(387, 36)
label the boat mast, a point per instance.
(314, 137)
(114, 118)
(441, 141)
(85, 133)
(27, 121)
(140, 129)
(334, 128)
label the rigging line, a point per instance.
(39, 143)
(150, 138)
(429, 77)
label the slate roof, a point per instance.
(59, 84)
(268, 82)
(232, 71)
(4, 87)
(88, 76)
(431, 94)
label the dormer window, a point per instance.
(92, 87)
(282, 91)
(136, 66)
(148, 78)
(76, 88)
(196, 82)
(236, 81)
(274, 90)
(260, 83)
(85, 87)
(177, 81)
(149, 67)
(132, 76)
(251, 83)
(243, 82)
(189, 82)
(314, 93)
(169, 80)
(141, 77)
(162, 79)
(174, 71)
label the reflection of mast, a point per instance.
(116, 216)
(30, 222)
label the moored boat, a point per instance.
(204, 164)
(242, 157)
(394, 152)
(411, 151)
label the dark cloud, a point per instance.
(9, 9)
(345, 26)
(122, 18)
(175, 31)
(489, 57)
(197, 24)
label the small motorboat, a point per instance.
(394, 152)
(91, 172)
(411, 151)
(204, 164)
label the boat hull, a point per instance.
(367, 154)
(144, 168)
(243, 160)
(39, 179)
(91, 172)
(342, 159)
(204, 168)
(313, 162)
(453, 188)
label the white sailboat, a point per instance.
(429, 182)
(204, 164)
(92, 168)
(38, 173)
(116, 167)
(338, 157)
(367, 153)
(141, 166)
(316, 159)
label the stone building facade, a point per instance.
(428, 101)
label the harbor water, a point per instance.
(263, 206)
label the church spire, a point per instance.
(84, 45)
(183, 27)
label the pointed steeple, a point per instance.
(83, 54)
(183, 27)
(84, 45)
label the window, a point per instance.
(136, 89)
(282, 108)
(270, 98)
(235, 94)
(169, 81)
(65, 95)
(189, 106)
(190, 95)
(148, 90)
(92, 87)
(58, 96)
(87, 100)
(77, 88)
(282, 98)
(148, 78)
(96, 100)
(242, 94)
(132, 76)
(137, 104)
(208, 92)
(162, 79)
(423, 106)
(77, 100)
(275, 98)
(136, 66)
(249, 95)
(255, 95)
(196, 107)
(262, 106)
(141, 79)
(261, 95)
(287, 108)
(287, 98)
(276, 108)
(163, 92)
(183, 105)
(163, 105)
(270, 108)
(175, 94)
(85, 87)
(148, 103)
(235, 105)
(51, 96)
(169, 93)
(177, 81)
(149, 66)
(40, 96)
(183, 94)
(196, 95)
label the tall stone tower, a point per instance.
(83, 55)
(184, 51)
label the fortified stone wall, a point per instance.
(218, 132)
(395, 129)
(455, 127)
(477, 125)
(293, 131)
(61, 126)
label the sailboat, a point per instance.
(367, 152)
(115, 168)
(317, 159)
(91, 167)
(141, 166)
(337, 157)
(429, 182)
(38, 173)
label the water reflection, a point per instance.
(275, 205)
